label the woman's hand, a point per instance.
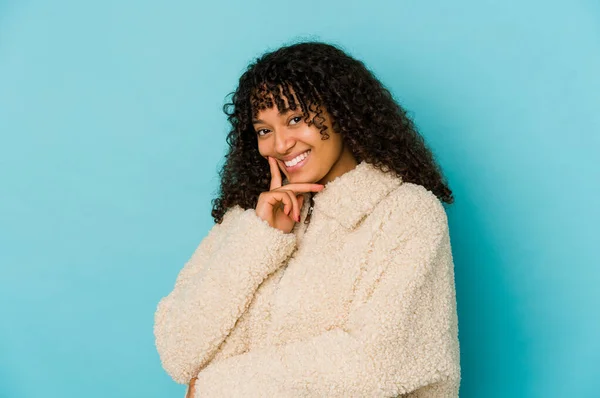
(191, 389)
(269, 206)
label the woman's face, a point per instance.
(302, 155)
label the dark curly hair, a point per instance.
(310, 75)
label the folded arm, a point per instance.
(215, 288)
(401, 338)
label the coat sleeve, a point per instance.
(214, 288)
(401, 336)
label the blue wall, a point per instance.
(112, 134)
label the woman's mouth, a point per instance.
(297, 163)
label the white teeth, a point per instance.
(297, 159)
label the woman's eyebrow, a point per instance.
(282, 112)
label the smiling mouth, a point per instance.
(298, 164)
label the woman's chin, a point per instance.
(297, 179)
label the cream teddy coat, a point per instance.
(360, 302)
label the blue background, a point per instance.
(112, 134)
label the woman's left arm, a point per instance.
(403, 337)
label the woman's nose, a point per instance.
(283, 141)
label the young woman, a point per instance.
(329, 271)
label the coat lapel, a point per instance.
(354, 194)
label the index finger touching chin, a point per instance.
(275, 174)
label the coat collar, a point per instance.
(352, 195)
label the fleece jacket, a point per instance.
(359, 302)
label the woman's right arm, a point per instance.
(214, 288)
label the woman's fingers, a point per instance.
(275, 198)
(275, 174)
(288, 207)
(291, 207)
(305, 187)
(295, 190)
(289, 195)
(300, 199)
(295, 206)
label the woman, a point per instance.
(328, 272)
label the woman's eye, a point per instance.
(260, 131)
(297, 119)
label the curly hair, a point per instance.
(313, 75)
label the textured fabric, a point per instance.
(358, 303)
